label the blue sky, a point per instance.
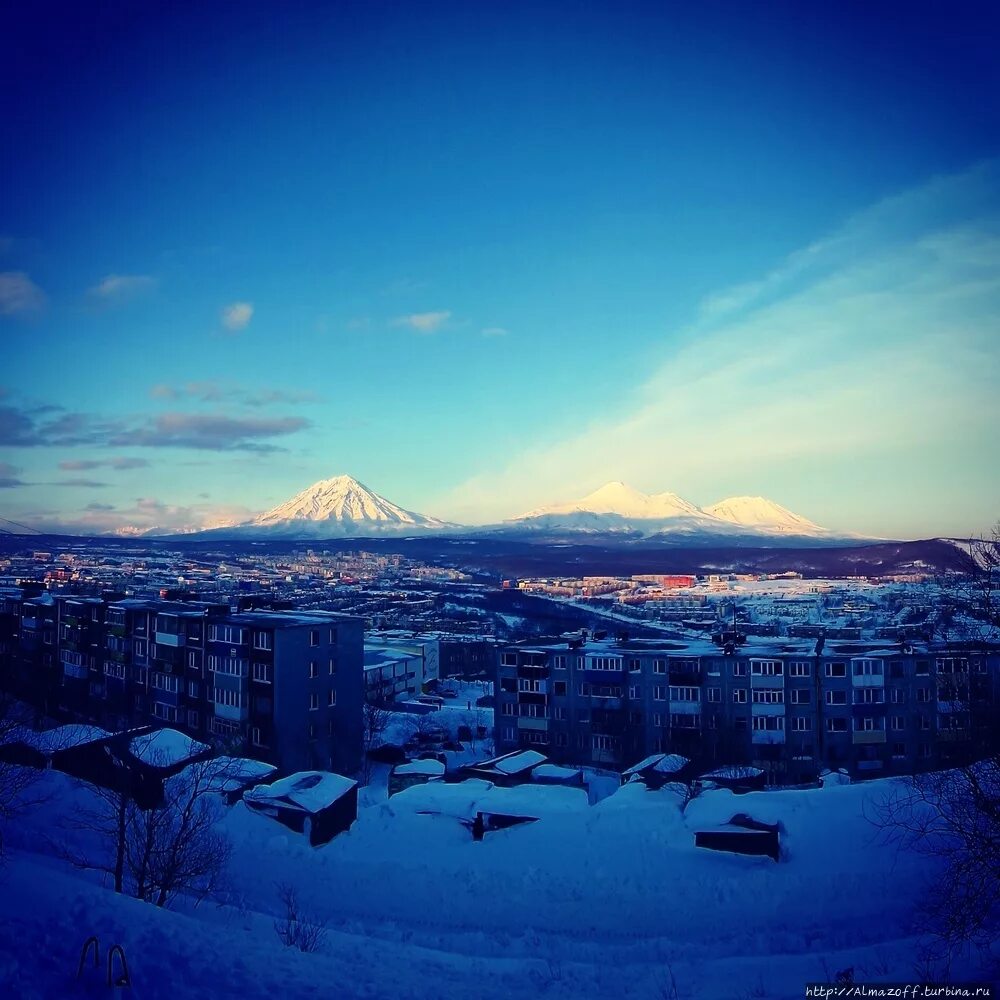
(485, 256)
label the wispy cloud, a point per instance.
(217, 392)
(90, 484)
(120, 464)
(120, 287)
(19, 295)
(237, 315)
(27, 428)
(494, 331)
(875, 345)
(10, 477)
(427, 322)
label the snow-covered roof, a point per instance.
(229, 774)
(555, 772)
(52, 740)
(513, 763)
(166, 747)
(734, 773)
(664, 763)
(430, 767)
(310, 791)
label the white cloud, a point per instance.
(237, 315)
(426, 322)
(118, 287)
(876, 346)
(494, 331)
(19, 295)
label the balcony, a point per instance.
(76, 671)
(762, 709)
(232, 713)
(767, 736)
(170, 639)
(868, 736)
(526, 722)
(685, 677)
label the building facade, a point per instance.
(791, 708)
(286, 687)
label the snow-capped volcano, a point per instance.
(332, 508)
(617, 507)
(762, 514)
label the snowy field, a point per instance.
(604, 900)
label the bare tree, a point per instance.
(154, 854)
(375, 718)
(18, 784)
(298, 929)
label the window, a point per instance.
(633, 692)
(165, 682)
(869, 696)
(227, 633)
(657, 720)
(923, 668)
(560, 739)
(263, 640)
(314, 637)
(634, 666)
(801, 724)
(800, 696)
(713, 694)
(603, 743)
(836, 697)
(192, 658)
(508, 708)
(529, 685)
(767, 668)
(925, 722)
(230, 699)
(193, 689)
(923, 694)
(313, 669)
(952, 665)
(255, 736)
(168, 713)
(508, 659)
(559, 688)
(925, 750)
(684, 720)
(836, 670)
(559, 713)
(867, 668)
(740, 722)
(659, 666)
(234, 666)
(312, 730)
(768, 723)
(192, 720)
(800, 668)
(331, 667)
(898, 723)
(263, 672)
(116, 670)
(313, 701)
(836, 725)
(685, 694)
(329, 727)
(331, 699)
(659, 693)
(739, 669)
(867, 724)
(603, 663)
(768, 696)
(333, 636)
(740, 696)
(898, 750)
(898, 696)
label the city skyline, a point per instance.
(485, 261)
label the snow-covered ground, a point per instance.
(610, 899)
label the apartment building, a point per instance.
(788, 707)
(286, 687)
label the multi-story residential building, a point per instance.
(287, 687)
(789, 707)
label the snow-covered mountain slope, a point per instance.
(762, 514)
(332, 508)
(619, 508)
